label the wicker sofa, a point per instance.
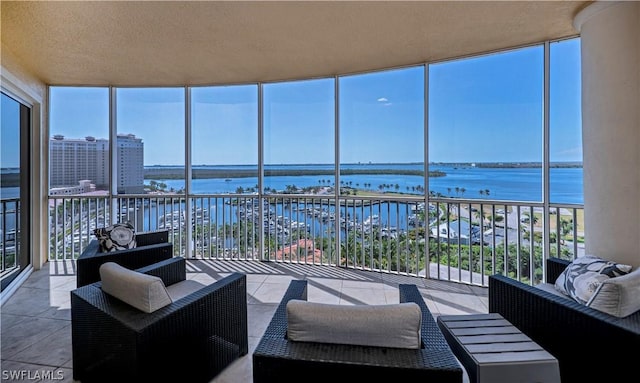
(590, 345)
(191, 339)
(152, 247)
(276, 359)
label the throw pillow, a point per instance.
(584, 275)
(392, 325)
(119, 236)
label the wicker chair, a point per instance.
(575, 334)
(190, 340)
(277, 359)
(152, 247)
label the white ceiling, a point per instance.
(159, 43)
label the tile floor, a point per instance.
(36, 322)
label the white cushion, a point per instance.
(619, 296)
(183, 288)
(394, 325)
(584, 275)
(142, 291)
(551, 288)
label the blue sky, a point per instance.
(10, 135)
(482, 109)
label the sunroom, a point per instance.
(358, 146)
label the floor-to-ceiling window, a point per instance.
(14, 188)
(565, 147)
(299, 158)
(486, 129)
(79, 164)
(382, 155)
(224, 161)
(362, 170)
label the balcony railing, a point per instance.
(9, 241)
(463, 240)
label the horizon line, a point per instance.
(382, 163)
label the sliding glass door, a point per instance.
(14, 189)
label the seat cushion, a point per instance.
(551, 288)
(584, 275)
(395, 325)
(119, 236)
(183, 288)
(144, 292)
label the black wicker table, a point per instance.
(495, 351)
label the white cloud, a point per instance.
(387, 104)
(575, 150)
(382, 99)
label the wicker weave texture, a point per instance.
(278, 360)
(192, 339)
(152, 247)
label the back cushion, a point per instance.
(619, 296)
(395, 325)
(142, 291)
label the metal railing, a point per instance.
(9, 235)
(445, 238)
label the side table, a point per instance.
(492, 350)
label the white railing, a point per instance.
(466, 240)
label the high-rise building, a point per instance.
(130, 164)
(76, 159)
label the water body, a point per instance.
(511, 184)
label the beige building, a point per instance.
(72, 160)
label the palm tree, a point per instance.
(566, 228)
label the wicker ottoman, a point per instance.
(494, 351)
